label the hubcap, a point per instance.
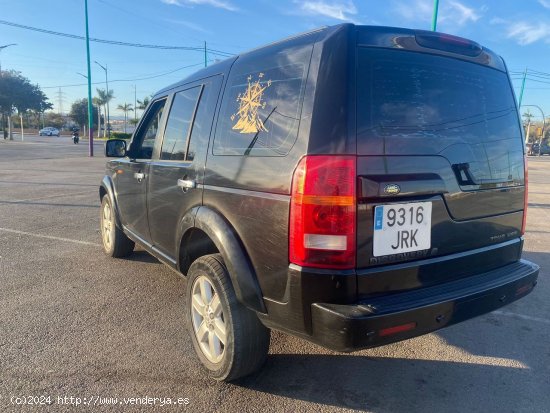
(208, 319)
(107, 226)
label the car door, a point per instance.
(132, 172)
(176, 172)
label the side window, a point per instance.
(262, 103)
(144, 142)
(203, 122)
(178, 126)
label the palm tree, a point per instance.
(105, 97)
(125, 107)
(98, 102)
(142, 104)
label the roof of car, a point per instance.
(381, 36)
(223, 66)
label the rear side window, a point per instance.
(178, 126)
(202, 125)
(261, 107)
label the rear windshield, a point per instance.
(413, 103)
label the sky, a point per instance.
(517, 30)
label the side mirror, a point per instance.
(115, 148)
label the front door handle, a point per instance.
(186, 184)
(139, 176)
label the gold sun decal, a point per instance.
(250, 101)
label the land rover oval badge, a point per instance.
(392, 189)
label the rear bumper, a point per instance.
(373, 322)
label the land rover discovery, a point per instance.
(353, 186)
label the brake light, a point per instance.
(525, 195)
(448, 43)
(323, 212)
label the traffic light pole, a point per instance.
(522, 88)
(90, 112)
(434, 16)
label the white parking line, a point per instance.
(51, 196)
(32, 234)
(523, 317)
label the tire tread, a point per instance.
(251, 337)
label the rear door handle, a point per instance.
(186, 184)
(139, 176)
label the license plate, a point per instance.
(402, 228)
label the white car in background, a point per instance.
(49, 131)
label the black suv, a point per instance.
(353, 186)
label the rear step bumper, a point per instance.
(382, 320)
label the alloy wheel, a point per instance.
(208, 319)
(107, 226)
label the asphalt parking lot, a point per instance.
(75, 323)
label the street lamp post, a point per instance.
(2, 48)
(107, 93)
(98, 110)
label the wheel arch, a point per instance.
(205, 230)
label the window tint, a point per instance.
(174, 145)
(147, 133)
(203, 122)
(261, 107)
(419, 94)
(416, 103)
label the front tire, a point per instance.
(115, 243)
(228, 338)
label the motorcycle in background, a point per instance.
(76, 138)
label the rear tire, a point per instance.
(115, 243)
(228, 338)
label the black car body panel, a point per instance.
(337, 92)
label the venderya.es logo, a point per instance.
(392, 189)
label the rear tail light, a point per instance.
(525, 195)
(323, 212)
(524, 289)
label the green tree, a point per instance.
(79, 113)
(125, 107)
(54, 119)
(18, 94)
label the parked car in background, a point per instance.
(49, 131)
(534, 149)
(335, 186)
